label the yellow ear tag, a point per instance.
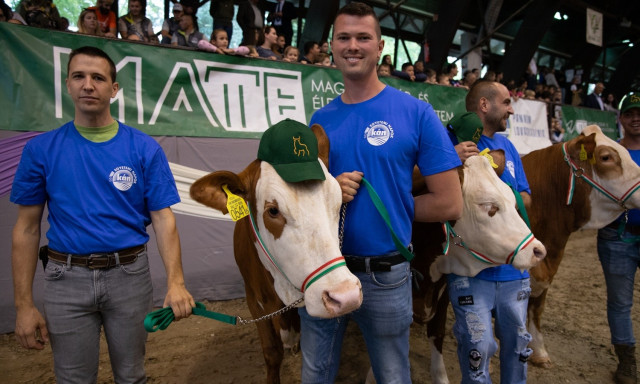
(583, 153)
(236, 205)
(485, 153)
(592, 160)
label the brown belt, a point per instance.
(632, 229)
(99, 260)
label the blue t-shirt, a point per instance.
(383, 137)
(514, 175)
(99, 195)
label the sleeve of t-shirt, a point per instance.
(436, 152)
(165, 25)
(161, 191)
(29, 183)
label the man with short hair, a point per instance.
(103, 183)
(310, 53)
(106, 17)
(594, 100)
(187, 35)
(619, 253)
(171, 25)
(379, 133)
(503, 291)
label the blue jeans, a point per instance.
(475, 302)
(78, 301)
(620, 261)
(384, 319)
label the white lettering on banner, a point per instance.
(272, 95)
(423, 96)
(236, 97)
(57, 79)
(444, 116)
(326, 86)
(120, 99)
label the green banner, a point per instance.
(174, 91)
(575, 119)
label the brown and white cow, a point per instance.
(489, 226)
(549, 172)
(298, 225)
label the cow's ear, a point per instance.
(208, 189)
(323, 143)
(585, 145)
(499, 160)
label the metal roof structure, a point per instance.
(552, 30)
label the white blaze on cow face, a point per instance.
(490, 225)
(298, 223)
(615, 170)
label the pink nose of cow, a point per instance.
(344, 298)
(539, 252)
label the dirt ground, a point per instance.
(200, 350)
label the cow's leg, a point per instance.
(436, 330)
(540, 356)
(272, 350)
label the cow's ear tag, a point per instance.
(236, 205)
(592, 160)
(583, 153)
(485, 153)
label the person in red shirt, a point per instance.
(106, 17)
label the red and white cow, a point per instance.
(490, 226)
(554, 177)
(297, 223)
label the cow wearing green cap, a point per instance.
(287, 248)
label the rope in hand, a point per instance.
(160, 319)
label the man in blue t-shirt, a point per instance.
(103, 183)
(378, 133)
(501, 292)
(619, 253)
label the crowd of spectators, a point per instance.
(269, 41)
(274, 41)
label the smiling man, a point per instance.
(380, 133)
(619, 253)
(103, 183)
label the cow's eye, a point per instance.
(274, 212)
(605, 158)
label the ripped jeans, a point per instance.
(475, 302)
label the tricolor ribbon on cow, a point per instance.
(457, 240)
(579, 172)
(313, 276)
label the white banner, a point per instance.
(528, 128)
(594, 27)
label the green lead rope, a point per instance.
(377, 202)
(521, 207)
(160, 319)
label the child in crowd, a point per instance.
(291, 54)
(88, 23)
(220, 44)
(384, 69)
(324, 59)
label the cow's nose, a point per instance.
(539, 252)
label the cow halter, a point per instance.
(312, 277)
(579, 172)
(457, 240)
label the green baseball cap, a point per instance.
(630, 100)
(466, 127)
(292, 149)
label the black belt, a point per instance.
(376, 263)
(632, 229)
(99, 260)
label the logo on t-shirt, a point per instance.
(378, 133)
(512, 168)
(123, 178)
